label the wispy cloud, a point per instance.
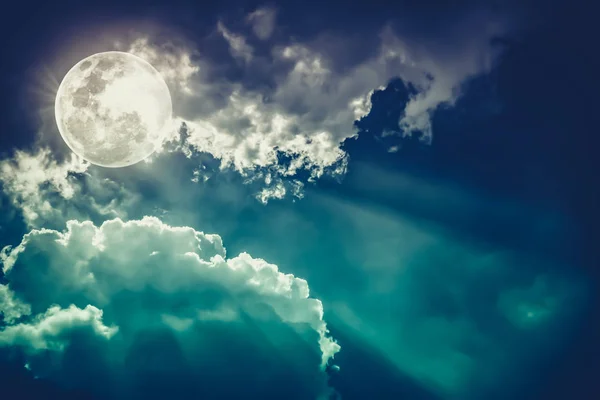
(237, 43)
(263, 22)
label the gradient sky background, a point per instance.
(436, 188)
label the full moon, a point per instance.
(113, 109)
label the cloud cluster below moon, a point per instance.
(159, 299)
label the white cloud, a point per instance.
(249, 135)
(300, 105)
(263, 22)
(48, 192)
(47, 331)
(27, 178)
(11, 308)
(277, 188)
(173, 62)
(123, 280)
(361, 106)
(307, 116)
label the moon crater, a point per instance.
(113, 109)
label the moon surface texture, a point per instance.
(113, 109)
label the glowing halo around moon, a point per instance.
(113, 109)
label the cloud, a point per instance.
(47, 331)
(120, 284)
(466, 51)
(288, 107)
(419, 280)
(263, 22)
(174, 62)
(28, 177)
(237, 44)
(48, 192)
(303, 119)
(277, 188)
(11, 308)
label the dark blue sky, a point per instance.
(511, 170)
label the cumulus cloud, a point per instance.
(48, 330)
(121, 284)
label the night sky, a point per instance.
(370, 200)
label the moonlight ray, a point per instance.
(112, 109)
